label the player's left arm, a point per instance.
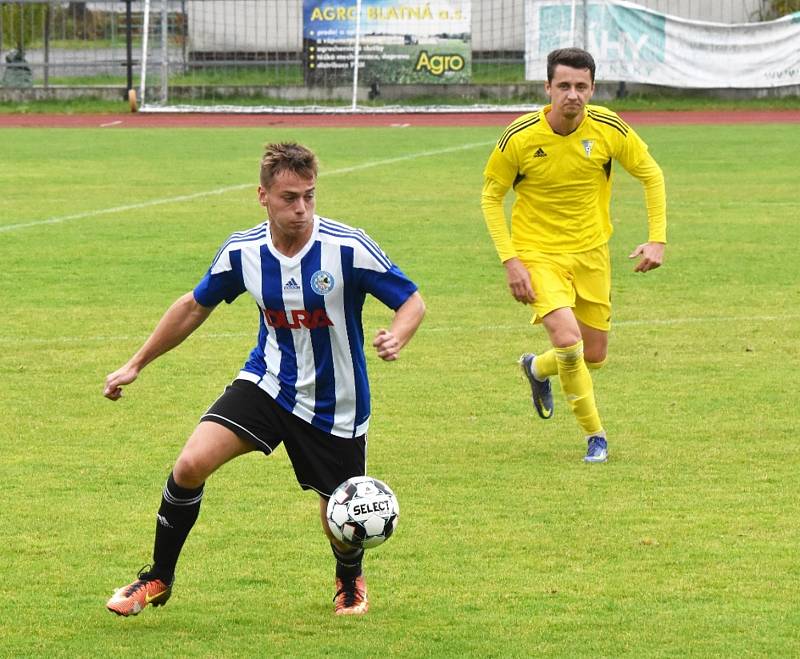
(639, 163)
(407, 318)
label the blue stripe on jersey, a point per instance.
(332, 229)
(227, 285)
(255, 362)
(259, 231)
(272, 295)
(354, 301)
(392, 287)
(325, 385)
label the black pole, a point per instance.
(129, 46)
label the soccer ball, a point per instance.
(363, 512)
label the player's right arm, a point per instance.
(180, 320)
(498, 177)
(635, 157)
(651, 253)
(222, 281)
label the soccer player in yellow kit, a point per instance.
(558, 162)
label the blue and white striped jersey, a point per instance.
(310, 351)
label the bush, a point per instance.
(772, 9)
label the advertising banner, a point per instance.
(634, 44)
(399, 42)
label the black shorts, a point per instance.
(321, 461)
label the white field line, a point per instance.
(231, 188)
(200, 335)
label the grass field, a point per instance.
(684, 544)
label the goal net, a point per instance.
(326, 56)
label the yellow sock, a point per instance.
(576, 383)
(545, 365)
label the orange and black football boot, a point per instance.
(351, 597)
(131, 599)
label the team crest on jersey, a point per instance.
(322, 282)
(587, 146)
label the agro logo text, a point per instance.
(439, 64)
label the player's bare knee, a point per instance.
(564, 338)
(595, 356)
(595, 364)
(190, 470)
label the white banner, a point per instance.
(635, 44)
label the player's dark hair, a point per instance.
(575, 58)
(287, 157)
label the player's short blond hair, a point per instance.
(287, 157)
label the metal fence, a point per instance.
(82, 48)
(76, 45)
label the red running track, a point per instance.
(499, 119)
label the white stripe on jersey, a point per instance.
(360, 430)
(258, 231)
(366, 251)
(251, 273)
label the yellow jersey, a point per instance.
(562, 183)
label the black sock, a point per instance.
(348, 565)
(176, 517)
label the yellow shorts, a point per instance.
(580, 281)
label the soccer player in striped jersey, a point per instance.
(558, 161)
(304, 383)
